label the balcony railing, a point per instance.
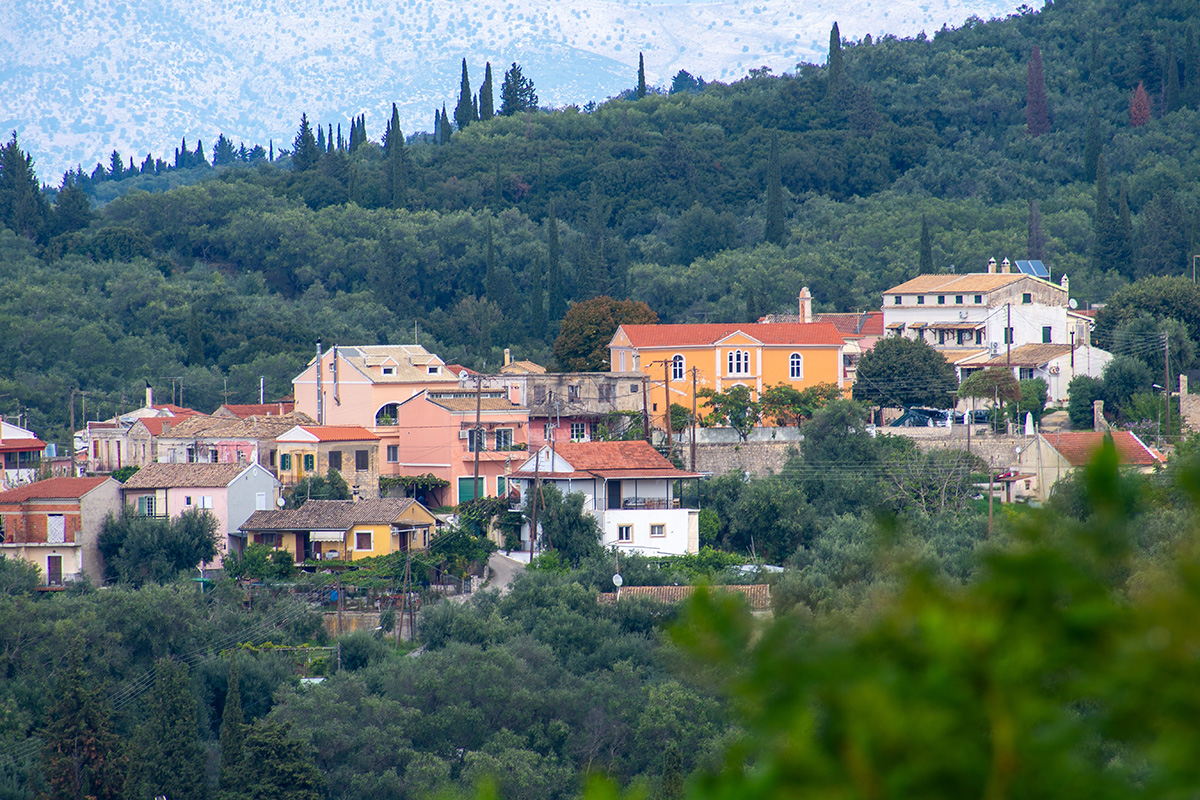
(649, 503)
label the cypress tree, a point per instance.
(72, 210)
(329, 140)
(486, 108)
(1123, 251)
(1102, 221)
(641, 87)
(491, 281)
(1091, 148)
(1191, 71)
(1139, 107)
(835, 67)
(926, 248)
(437, 126)
(396, 164)
(195, 344)
(1172, 90)
(169, 758)
(198, 158)
(774, 232)
(1037, 110)
(558, 303)
(321, 139)
(1037, 240)
(22, 206)
(233, 734)
(464, 112)
(537, 304)
(445, 132)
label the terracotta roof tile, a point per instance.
(468, 404)
(1030, 355)
(329, 515)
(17, 445)
(866, 323)
(258, 409)
(613, 460)
(813, 333)
(758, 595)
(340, 433)
(167, 476)
(53, 489)
(253, 427)
(1078, 447)
(972, 282)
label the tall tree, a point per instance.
(486, 108)
(116, 166)
(1103, 227)
(464, 112)
(233, 734)
(72, 209)
(1037, 110)
(926, 255)
(1037, 239)
(641, 87)
(1191, 71)
(304, 147)
(1091, 147)
(22, 206)
(1124, 230)
(445, 132)
(558, 303)
(321, 145)
(491, 281)
(774, 231)
(396, 165)
(1172, 89)
(223, 152)
(905, 372)
(277, 766)
(588, 327)
(537, 302)
(169, 758)
(516, 93)
(80, 751)
(1139, 107)
(835, 67)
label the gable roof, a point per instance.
(327, 433)
(1078, 447)
(252, 427)
(173, 476)
(972, 282)
(411, 363)
(467, 404)
(54, 489)
(865, 323)
(242, 411)
(636, 459)
(787, 333)
(1029, 355)
(331, 515)
(155, 425)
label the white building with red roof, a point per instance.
(353, 451)
(55, 524)
(22, 451)
(627, 487)
(107, 445)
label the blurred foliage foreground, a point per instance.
(1065, 669)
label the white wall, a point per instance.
(680, 526)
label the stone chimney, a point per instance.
(1004, 266)
(992, 266)
(1098, 423)
(149, 395)
(805, 305)
(507, 356)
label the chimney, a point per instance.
(149, 395)
(1066, 285)
(507, 356)
(1004, 266)
(1098, 423)
(805, 305)
(992, 266)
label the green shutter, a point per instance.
(466, 488)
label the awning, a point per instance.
(326, 536)
(957, 326)
(895, 325)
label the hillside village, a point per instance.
(412, 438)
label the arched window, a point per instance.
(677, 368)
(388, 415)
(796, 366)
(739, 362)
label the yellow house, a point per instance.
(344, 529)
(680, 359)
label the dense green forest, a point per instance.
(709, 203)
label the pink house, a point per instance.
(232, 492)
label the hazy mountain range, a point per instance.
(79, 78)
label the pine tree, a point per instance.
(835, 66)
(304, 147)
(22, 206)
(537, 303)
(277, 766)
(774, 232)
(1037, 110)
(1172, 90)
(198, 158)
(233, 734)
(116, 166)
(558, 303)
(446, 131)
(1091, 148)
(1191, 71)
(641, 87)
(1037, 239)
(72, 209)
(223, 152)
(516, 93)
(464, 112)
(926, 255)
(169, 758)
(79, 748)
(1139, 107)
(396, 165)
(486, 109)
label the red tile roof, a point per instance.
(178, 411)
(1078, 447)
(711, 333)
(171, 476)
(614, 460)
(241, 411)
(16, 445)
(866, 323)
(340, 433)
(156, 424)
(53, 489)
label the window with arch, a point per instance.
(677, 368)
(388, 415)
(796, 366)
(739, 362)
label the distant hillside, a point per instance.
(82, 78)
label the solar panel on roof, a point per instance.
(1035, 268)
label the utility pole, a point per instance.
(991, 497)
(1008, 337)
(645, 411)
(404, 604)
(693, 419)
(339, 613)
(533, 501)
(477, 434)
(262, 388)
(1167, 385)
(667, 399)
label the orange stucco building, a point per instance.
(755, 355)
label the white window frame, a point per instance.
(504, 438)
(393, 453)
(658, 530)
(678, 367)
(370, 540)
(738, 362)
(578, 431)
(625, 533)
(796, 366)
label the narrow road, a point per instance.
(504, 569)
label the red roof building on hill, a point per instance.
(1053, 456)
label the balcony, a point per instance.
(649, 503)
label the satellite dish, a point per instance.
(1072, 304)
(618, 580)
(281, 502)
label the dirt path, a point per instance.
(504, 569)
